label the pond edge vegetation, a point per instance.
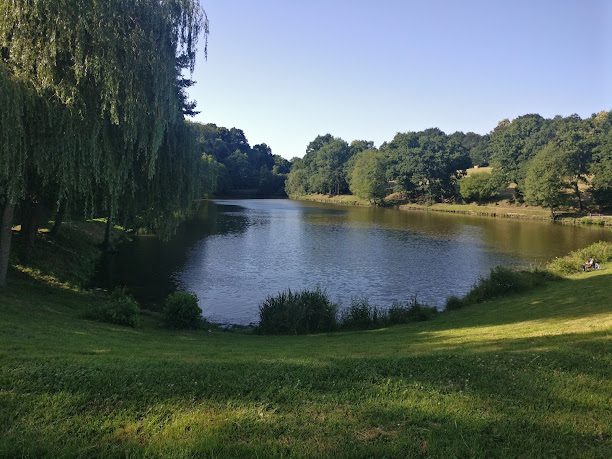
(312, 311)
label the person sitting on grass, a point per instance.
(590, 264)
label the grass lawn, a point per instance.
(528, 375)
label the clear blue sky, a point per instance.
(286, 71)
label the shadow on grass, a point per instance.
(424, 389)
(540, 396)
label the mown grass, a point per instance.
(527, 375)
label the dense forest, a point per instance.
(563, 161)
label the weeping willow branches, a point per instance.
(91, 93)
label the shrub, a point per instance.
(503, 280)
(572, 263)
(308, 311)
(478, 187)
(121, 309)
(413, 311)
(182, 311)
(454, 302)
(361, 315)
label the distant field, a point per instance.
(479, 170)
(525, 376)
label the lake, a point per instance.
(238, 252)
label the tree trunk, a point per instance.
(552, 213)
(579, 196)
(59, 218)
(106, 245)
(6, 232)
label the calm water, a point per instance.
(240, 251)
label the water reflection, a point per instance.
(238, 252)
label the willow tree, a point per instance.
(110, 70)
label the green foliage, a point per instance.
(109, 89)
(572, 263)
(181, 311)
(254, 169)
(426, 164)
(121, 309)
(413, 311)
(601, 167)
(367, 178)
(12, 142)
(361, 315)
(454, 302)
(323, 168)
(478, 187)
(503, 281)
(545, 182)
(297, 182)
(514, 143)
(297, 313)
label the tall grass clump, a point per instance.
(572, 262)
(412, 311)
(181, 311)
(501, 281)
(120, 309)
(297, 313)
(361, 315)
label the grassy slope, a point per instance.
(528, 375)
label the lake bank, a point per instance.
(493, 211)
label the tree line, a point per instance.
(240, 168)
(548, 162)
(92, 114)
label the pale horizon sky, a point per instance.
(287, 71)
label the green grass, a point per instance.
(528, 375)
(501, 209)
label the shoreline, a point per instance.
(490, 211)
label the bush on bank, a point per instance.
(181, 311)
(313, 312)
(296, 313)
(121, 309)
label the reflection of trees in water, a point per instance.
(146, 265)
(530, 240)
